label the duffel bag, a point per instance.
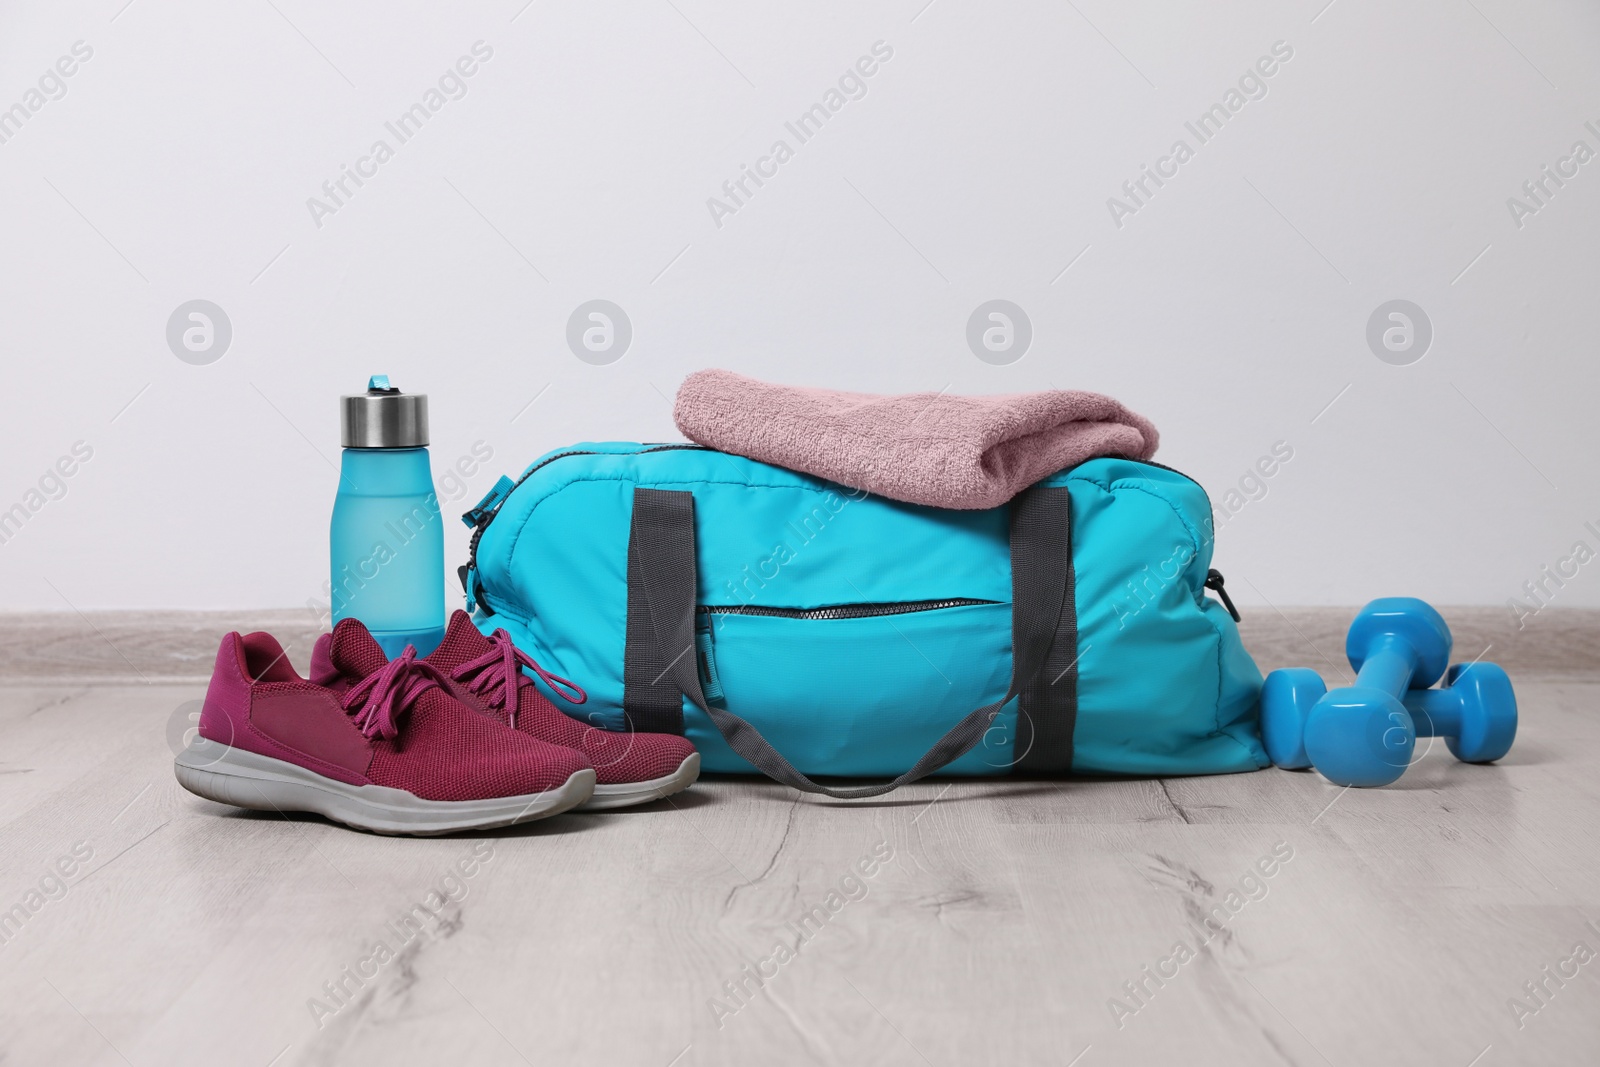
(798, 628)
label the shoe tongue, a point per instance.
(462, 642)
(353, 651)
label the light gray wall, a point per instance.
(1231, 307)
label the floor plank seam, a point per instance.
(1183, 814)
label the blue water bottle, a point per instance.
(387, 538)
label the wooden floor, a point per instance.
(1006, 922)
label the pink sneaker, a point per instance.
(372, 744)
(632, 768)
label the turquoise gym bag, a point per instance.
(794, 627)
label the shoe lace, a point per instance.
(497, 676)
(378, 699)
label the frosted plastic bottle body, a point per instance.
(387, 548)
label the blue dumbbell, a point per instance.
(1475, 712)
(1364, 734)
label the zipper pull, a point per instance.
(1214, 582)
(480, 515)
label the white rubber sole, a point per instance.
(244, 779)
(627, 794)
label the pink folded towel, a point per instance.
(924, 448)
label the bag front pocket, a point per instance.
(856, 689)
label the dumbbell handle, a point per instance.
(1390, 663)
(1435, 712)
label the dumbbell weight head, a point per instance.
(1287, 697)
(1488, 704)
(1360, 736)
(1413, 621)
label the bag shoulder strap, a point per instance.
(662, 542)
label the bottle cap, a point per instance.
(383, 417)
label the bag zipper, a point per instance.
(1214, 580)
(843, 611)
(471, 566)
(1186, 477)
(574, 452)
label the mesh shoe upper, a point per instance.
(429, 743)
(477, 663)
